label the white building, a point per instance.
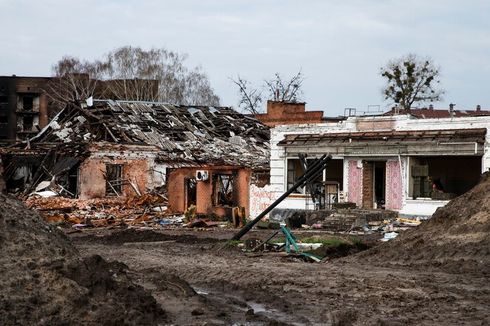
(404, 162)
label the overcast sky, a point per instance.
(338, 44)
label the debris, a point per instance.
(389, 236)
(45, 194)
(202, 223)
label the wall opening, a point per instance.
(224, 189)
(373, 184)
(379, 184)
(113, 179)
(190, 192)
(27, 123)
(27, 103)
(295, 171)
(443, 177)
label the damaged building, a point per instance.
(202, 156)
(409, 161)
(24, 108)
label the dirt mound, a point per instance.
(45, 282)
(456, 238)
(135, 235)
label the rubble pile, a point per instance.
(147, 209)
(456, 238)
(46, 282)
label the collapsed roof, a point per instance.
(190, 134)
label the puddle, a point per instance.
(257, 307)
(240, 304)
(200, 291)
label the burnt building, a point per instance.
(27, 103)
(24, 108)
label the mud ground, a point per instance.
(200, 279)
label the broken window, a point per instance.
(27, 123)
(113, 179)
(27, 103)
(224, 190)
(443, 178)
(295, 171)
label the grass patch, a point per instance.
(233, 243)
(330, 242)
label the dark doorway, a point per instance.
(190, 191)
(379, 184)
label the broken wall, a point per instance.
(206, 190)
(136, 162)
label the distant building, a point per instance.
(24, 109)
(26, 106)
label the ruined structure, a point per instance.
(23, 107)
(27, 104)
(204, 156)
(411, 162)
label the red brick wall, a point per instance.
(204, 190)
(282, 113)
(91, 181)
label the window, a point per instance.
(113, 179)
(295, 171)
(27, 103)
(224, 190)
(27, 123)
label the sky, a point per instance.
(339, 45)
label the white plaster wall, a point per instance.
(402, 123)
(421, 207)
(406, 123)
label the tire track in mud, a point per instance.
(331, 293)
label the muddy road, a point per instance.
(200, 279)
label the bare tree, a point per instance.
(74, 80)
(279, 89)
(410, 80)
(131, 73)
(250, 97)
(285, 90)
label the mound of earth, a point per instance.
(456, 238)
(46, 282)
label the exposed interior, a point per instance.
(443, 177)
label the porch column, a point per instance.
(394, 186)
(355, 183)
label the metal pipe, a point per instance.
(320, 165)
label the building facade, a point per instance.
(398, 162)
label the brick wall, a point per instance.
(283, 113)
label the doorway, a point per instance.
(374, 184)
(379, 184)
(190, 192)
